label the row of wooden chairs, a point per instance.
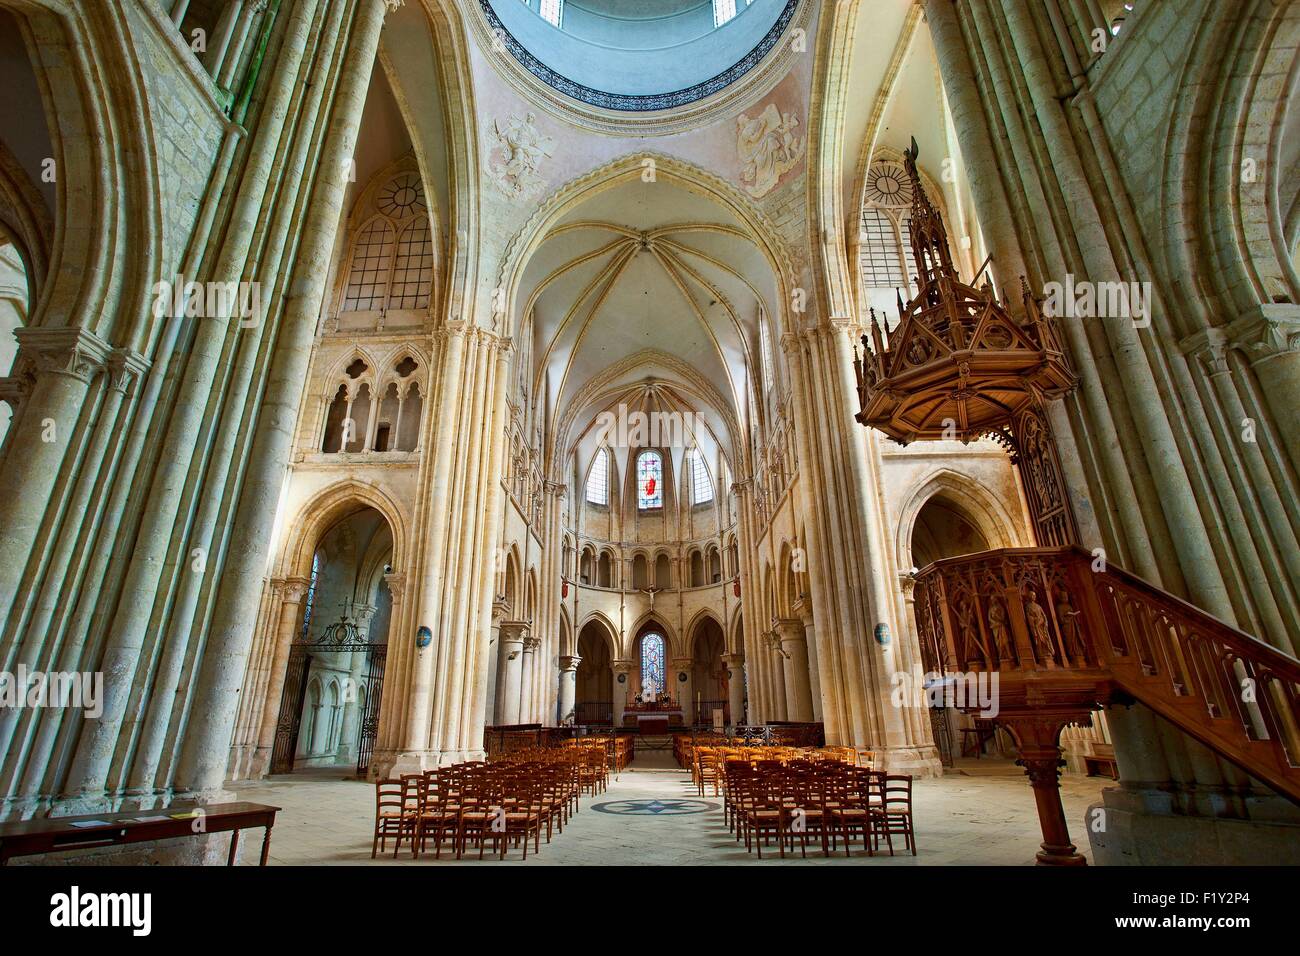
(826, 800)
(708, 763)
(619, 749)
(504, 803)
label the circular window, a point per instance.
(889, 185)
(402, 196)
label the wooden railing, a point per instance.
(1060, 627)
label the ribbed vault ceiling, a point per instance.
(650, 270)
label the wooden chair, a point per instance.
(894, 814)
(388, 813)
(439, 813)
(412, 807)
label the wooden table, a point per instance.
(60, 834)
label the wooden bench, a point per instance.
(61, 834)
(1094, 765)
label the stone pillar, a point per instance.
(568, 690)
(803, 608)
(291, 591)
(203, 762)
(793, 643)
(66, 360)
(496, 673)
(513, 635)
(528, 697)
(1270, 338)
(621, 670)
(779, 666)
(735, 687)
(683, 690)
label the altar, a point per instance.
(653, 718)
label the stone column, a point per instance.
(1270, 338)
(736, 687)
(792, 641)
(780, 709)
(291, 591)
(496, 673)
(66, 361)
(683, 690)
(568, 690)
(527, 695)
(513, 636)
(621, 670)
(203, 762)
(803, 608)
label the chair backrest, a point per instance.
(897, 789)
(388, 794)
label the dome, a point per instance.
(632, 55)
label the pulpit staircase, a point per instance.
(1064, 633)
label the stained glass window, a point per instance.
(652, 665)
(310, 600)
(649, 480)
(598, 479)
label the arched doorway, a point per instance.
(944, 529)
(709, 677)
(329, 708)
(594, 691)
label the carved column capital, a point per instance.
(1267, 332)
(66, 351)
(291, 589)
(1209, 347)
(500, 609)
(569, 663)
(396, 581)
(125, 369)
(514, 632)
(789, 630)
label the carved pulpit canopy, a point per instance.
(958, 364)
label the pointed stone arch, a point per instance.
(1000, 527)
(606, 627)
(327, 508)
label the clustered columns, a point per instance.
(516, 647)
(568, 687)
(792, 641)
(780, 705)
(291, 591)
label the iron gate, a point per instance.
(341, 637)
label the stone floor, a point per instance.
(982, 813)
